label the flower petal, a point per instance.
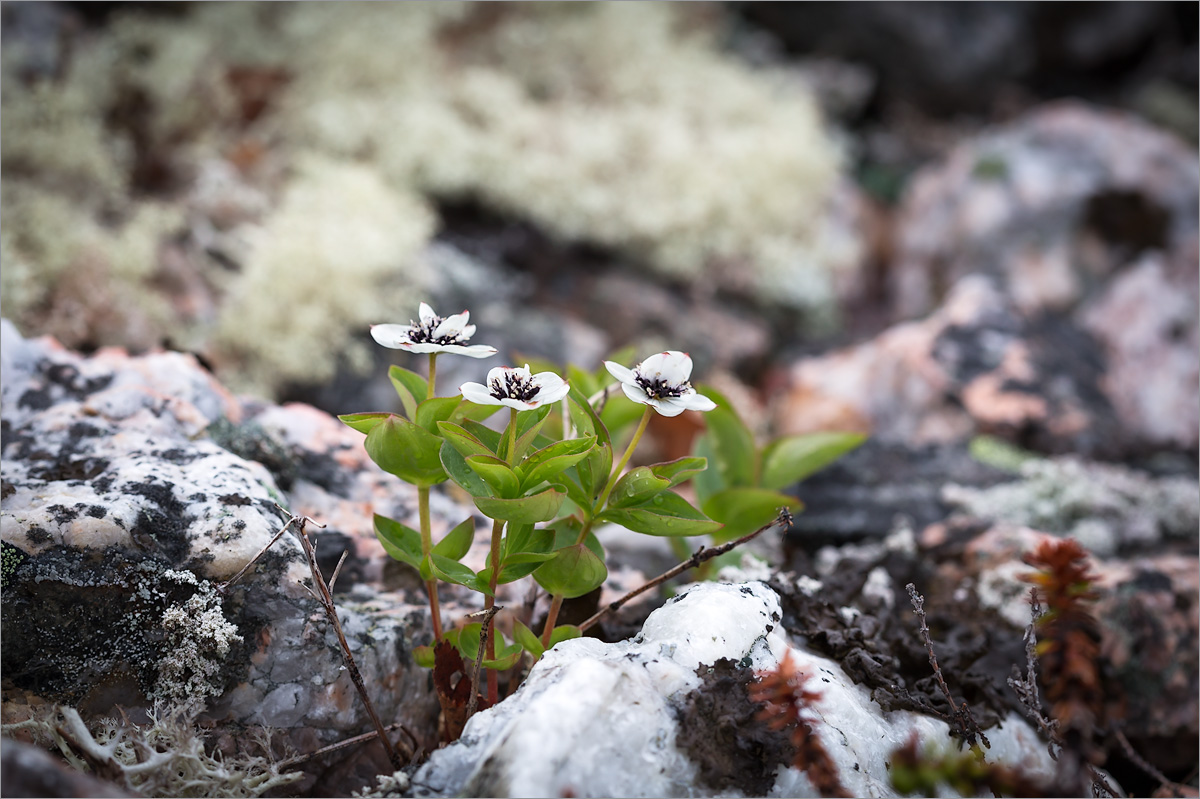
(551, 387)
(620, 372)
(635, 393)
(467, 332)
(426, 314)
(672, 366)
(478, 394)
(696, 402)
(422, 348)
(520, 406)
(394, 336)
(671, 406)
(472, 351)
(451, 326)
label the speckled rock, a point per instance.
(1052, 205)
(121, 514)
(976, 365)
(562, 733)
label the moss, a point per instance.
(11, 558)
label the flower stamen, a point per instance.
(422, 333)
(661, 389)
(516, 386)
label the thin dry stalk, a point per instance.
(486, 615)
(783, 520)
(968, 729)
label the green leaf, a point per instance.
(363, 422)
(528, 641)
(407, 451)
(467, 642)
(574, 571)
(423, 656)
(400, 541)
(679, 470)
(497, 474)
(636, 486)
(790, 459)
(456, 542)
(451, 571)
(529, 424)
(537, 508)
(584, 381)
(620, 412)
(709, 481)
(667, 514)
(434, 410)
(526, 538)
(553, 460)
(744, 510)
(411, 387)
(469, 411)
(594, 469)
(489, 437)
(462, 440)
(574, 491)
(564, 632)
(462, 474)
(732, 443)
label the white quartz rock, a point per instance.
(596, 719)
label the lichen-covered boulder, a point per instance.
(125, 509)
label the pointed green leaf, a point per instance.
(469, 411)
(574, 492)
(790, 459)
(584, 381)
(411, 387)
(564, 632)
(732, 443)
(462, 440)
(529, 424)
(462, 474)
(363, 422)
(497, 474)
(526, 538)
(594, 469)
(620, 412)
(574, 571)
(710, 481)
(744, 510)
(553, 460)
(451, 571)
(528, 641)
(667, 514)
(456, 542)
(407, 451)
(537, 508)
(400, 541)
(636, 486)
(679, 470)
(423, 656)
(434, 410)
(489, 437)
(566, 532)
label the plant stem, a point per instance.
(426, 547)
(557, 600)
(512, 436)
(616, 472)
(488, 603)
(430, 393)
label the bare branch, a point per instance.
(486, 615)
(337, 570)
(221, 588)
(783, 520)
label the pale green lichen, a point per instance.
(1104, 506)
(198, 642)
(620, 124)
(166, 757)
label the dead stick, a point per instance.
(326, 600)
(221, 588)
(486, 615)
(784, 519)
(324, 750)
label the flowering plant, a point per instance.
(546, 481)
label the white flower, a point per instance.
(516, 388)
(433, 334)
(661, 381)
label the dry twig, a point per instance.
(783, 520)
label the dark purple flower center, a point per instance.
(515, 386)
(659, 388)
(422, 333)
